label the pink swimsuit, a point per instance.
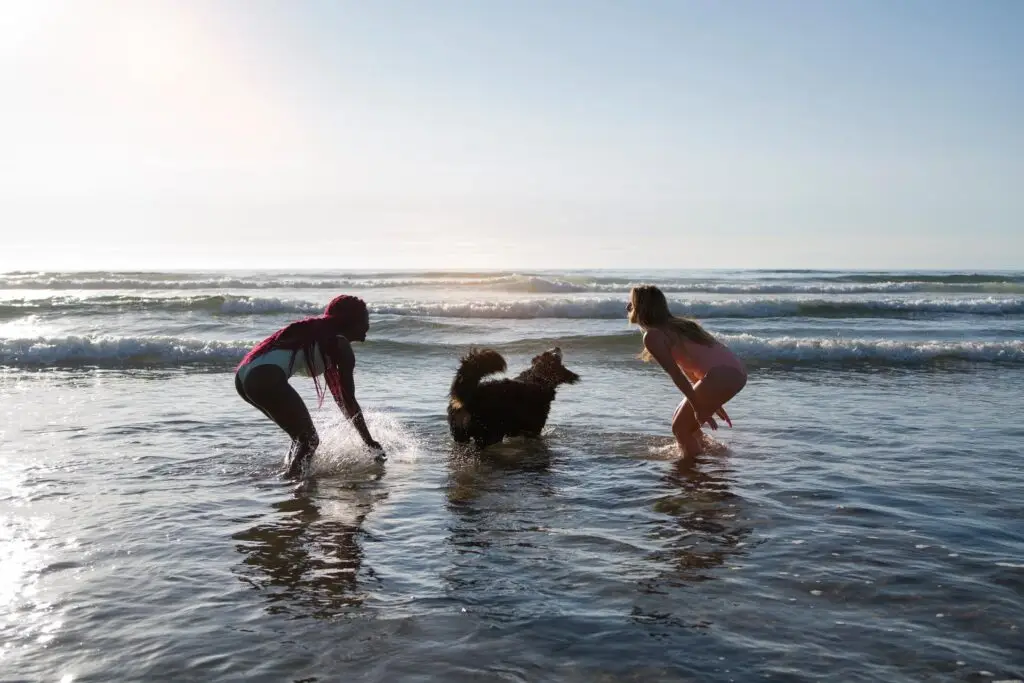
(696, 360)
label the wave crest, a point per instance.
(165, 351)
(567, 307)
(535, 283)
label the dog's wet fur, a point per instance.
(487, 412)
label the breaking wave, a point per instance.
(163, 351)
(539, 283)
(565, 307)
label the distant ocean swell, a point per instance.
(579, 307)
(164, 351)
(524, 283)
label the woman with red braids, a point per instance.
(314, 346)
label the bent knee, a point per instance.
(684, 423)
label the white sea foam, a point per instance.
(112, 350)
(823, 283)
(883, 351)
(147, 351)
(608, 307)
(549, 307)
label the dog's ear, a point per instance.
(546, 357)
(552, 356)
(565, 375)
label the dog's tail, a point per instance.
(474, 366)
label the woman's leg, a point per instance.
(241, 392)
(268, 389)
(717, 387)
(686, 430)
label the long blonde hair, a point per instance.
(649, 308)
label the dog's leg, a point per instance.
(459, 423)
(488, 439)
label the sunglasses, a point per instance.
(629, 307)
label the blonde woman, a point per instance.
(703, 368)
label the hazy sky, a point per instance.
(478, 133)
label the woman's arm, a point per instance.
(345, 396)
(657, 343)
(724, 415)
(659, 346)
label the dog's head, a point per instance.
(548, 368)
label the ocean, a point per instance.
(863, 520)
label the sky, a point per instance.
(480, 134)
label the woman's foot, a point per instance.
(297, 469)
(301, 455)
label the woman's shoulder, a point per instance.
(335, 344)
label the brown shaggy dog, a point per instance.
(490, 411)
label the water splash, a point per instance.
(342, 450)
(668, 449)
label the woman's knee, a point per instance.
(684, 423)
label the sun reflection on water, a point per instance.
(27, 618)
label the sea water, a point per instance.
(863, 521)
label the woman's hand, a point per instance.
(702, 415)
(724, 415)
(381, 456)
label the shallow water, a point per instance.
(862, 522)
